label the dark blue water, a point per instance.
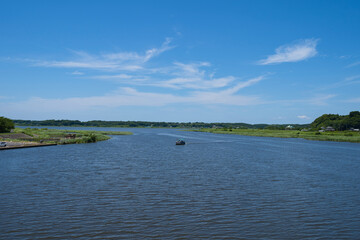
(215, 187)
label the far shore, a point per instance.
(335, 136)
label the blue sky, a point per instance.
(183, 61)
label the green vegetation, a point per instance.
(343, 136)
(328, 127)
(333, 127)
(142, 124)
(338, 122)
(44, 135)
(6, 125)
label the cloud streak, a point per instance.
(303, 117)
(126, 61)
(353, 64)
(192, 76)
(131, 97)
(191, 83)
(299, 51)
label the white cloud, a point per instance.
(199, 81)
(177, 76)
(129, 68)
(352, 78)
(192, 76)
(77, 73)
(353, 64)
(303, 117)
(320, 100)
(346, 82)
(117, 76)
(131, 56)
(292, 53)
(243, 85)
(127, 61)
(131, 97)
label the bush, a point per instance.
(6, 125)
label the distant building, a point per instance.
(70, 136)
(289, 127)
(329, 129)
(354, 129)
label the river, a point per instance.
(143, 186)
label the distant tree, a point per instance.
(338, 122)
(6, 125)
(354, 114)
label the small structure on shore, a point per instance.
(70, 136)
(329, 129)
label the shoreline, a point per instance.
(31, 145)
(33, 137)
(345, 136)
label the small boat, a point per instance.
(180, 142)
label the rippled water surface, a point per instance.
(216, 186)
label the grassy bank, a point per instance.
(337, 136)
(45, 135)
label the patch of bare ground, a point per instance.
(16, 136)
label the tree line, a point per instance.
(100, 123)
(338, 122)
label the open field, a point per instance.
(337, 136)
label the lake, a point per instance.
(143, 186)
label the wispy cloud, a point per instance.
(196, 80)
(126, 56)
(176, 76)
(130, 68)
(192, 76)
(77, 73)
(116, 76)
(352, 80)
(320, 100)
(127, 61)
(353, 64)
(127, 96)
(303, 117)
(241, 85)
(299, 51)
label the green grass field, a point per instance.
(337, 136)
(59, 136)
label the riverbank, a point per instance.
(337, 136)
(34, 137)
(17, 145)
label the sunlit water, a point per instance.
(143, 186)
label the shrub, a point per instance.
(6, 125)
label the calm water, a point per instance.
(215, 187)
